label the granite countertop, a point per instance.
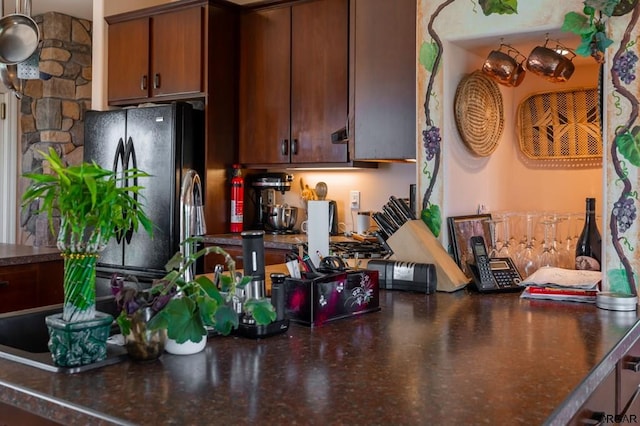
(271, 241)
(445, 358)
(15, 254)
(284, 242)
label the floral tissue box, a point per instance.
(327, 297)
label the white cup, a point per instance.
(363, 222)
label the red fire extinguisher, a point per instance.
(237, 199)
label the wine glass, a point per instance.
(564, 240)
(526, 259)
(504, 235)
(549, 255)
(495, 243)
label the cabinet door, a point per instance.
(599, 405)
(177, 52)
(629, 389)
(30, 285)
(265, 38)
(319, 80)
(128, 56)
(384, 36)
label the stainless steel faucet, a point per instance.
(191, 217)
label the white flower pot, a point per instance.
(186, 348)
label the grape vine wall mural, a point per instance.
(608, 29)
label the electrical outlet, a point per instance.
(354, 197)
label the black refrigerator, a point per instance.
(164, 141)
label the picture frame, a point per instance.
(461, 229)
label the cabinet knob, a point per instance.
(143, 83)
(156, 81)
(632, 363)
(596, 418)
(284, 147)
(294, 146)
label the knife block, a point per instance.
(414, 242)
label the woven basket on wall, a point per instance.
(562, 125)
(479, 113)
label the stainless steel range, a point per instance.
(358, 249)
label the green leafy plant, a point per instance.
(499, 6)
(94, 205)
(200, 303)
(590, 26)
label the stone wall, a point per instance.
(52, 110)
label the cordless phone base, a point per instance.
(506, 281)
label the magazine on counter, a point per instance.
(562, 284)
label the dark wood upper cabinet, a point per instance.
(265, 68)
(177, 53)
(156, 56)
(184, 50)
(383, 85)
(128, 60)
(294, 83)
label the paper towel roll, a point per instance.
(318, 230)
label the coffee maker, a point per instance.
(262, 182)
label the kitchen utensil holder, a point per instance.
(321, 298)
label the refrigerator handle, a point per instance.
(129, 161)
(118, 159)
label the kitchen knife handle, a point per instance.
(391, 217)
(382, 233)
(403, 207)
(383, 243)
(393, 227)
(284, 147)
(384, 223)
(398, 214)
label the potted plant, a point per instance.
(137, 307)
(186, 308)
(590, 25)
(94, 205)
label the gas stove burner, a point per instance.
(282, 231)
(359, 249)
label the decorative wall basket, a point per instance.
(561, 125)
(479, 113)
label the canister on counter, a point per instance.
(408, 276)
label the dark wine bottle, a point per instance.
(589, 245)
